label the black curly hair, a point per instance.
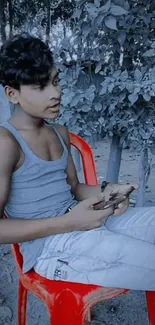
(25, 60)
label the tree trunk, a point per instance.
(144, 172)
(48, 24)
(10, 18)
(114, 160)
(2, 21)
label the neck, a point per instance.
(21, 120)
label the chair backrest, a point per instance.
(87, 158)
(89, 175)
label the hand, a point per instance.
(83, 217)
(122, 207)
(118, 190)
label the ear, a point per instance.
(12, 94)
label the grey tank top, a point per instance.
(38, 190)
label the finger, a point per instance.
(121, 208)
(121, 211)
(123, 204)
(114, 202)
(106, 212)
(107, 194)
(126, 188)
(92, 200)
(135, 186)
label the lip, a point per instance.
(53, 106)
(55, 112)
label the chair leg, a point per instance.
(67, 308)
(22, 302)
(150, 298)
(88, 316)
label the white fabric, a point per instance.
(119, 254)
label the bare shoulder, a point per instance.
(9, 147)
(63, 132)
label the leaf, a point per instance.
(65, 43)
(77, 13)
(87, 132)
(138, 75)
(153, 45)
(106, 7)
(121, 38)
(90, 93)
(101, 120)
(112, 107)
(117, 10)
(67, 97)
(85, 108)
(98, 107)
(116, 74)
(62, 82)
(130, 87)
(136, 90)
(132, 98)
(86, 31)
(110, 87)
(98, 67)
(122, 97)
(110, 22)
(126, 5)
(147, 97)
(92, 88)
(124, 75)
(97, 3)
(149, 53)
(75, 101)
(103, 90)
(92, 10)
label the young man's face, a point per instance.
(44, 104)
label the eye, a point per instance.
(56, 81)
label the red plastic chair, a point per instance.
(68, 303)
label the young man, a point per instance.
(39, 189)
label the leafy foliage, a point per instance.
(107, 64)
(118, 38)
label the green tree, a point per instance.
(117, 38)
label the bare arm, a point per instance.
(79, 190)
(18, 231)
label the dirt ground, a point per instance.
(129, 309)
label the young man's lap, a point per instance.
(105, 256)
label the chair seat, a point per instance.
(42, 287)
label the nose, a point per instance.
(55, 93)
